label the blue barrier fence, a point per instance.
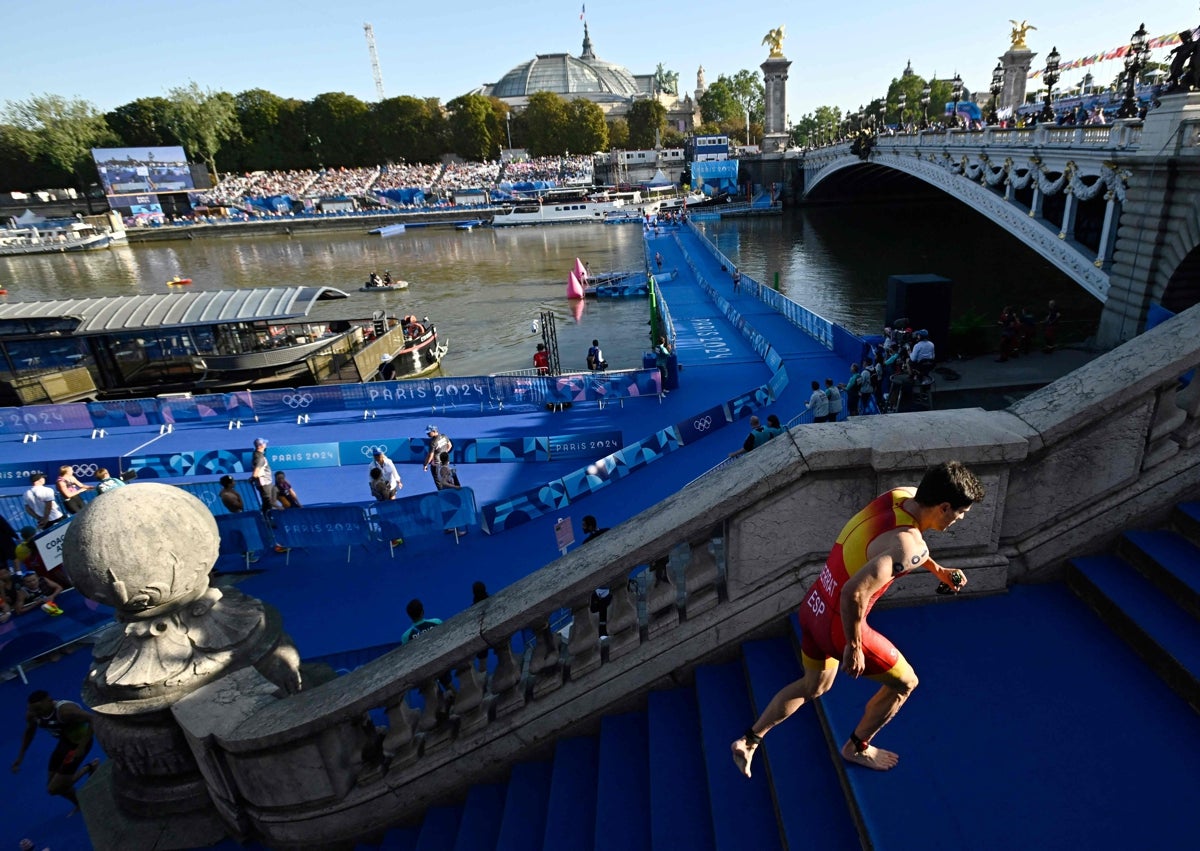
(417, 395)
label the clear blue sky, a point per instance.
(113, 51)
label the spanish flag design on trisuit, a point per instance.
(824, 637)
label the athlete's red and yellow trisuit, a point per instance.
(824, 636)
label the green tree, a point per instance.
(409, 129)
(818, 126)
(261, 142)
(336, 129)
(470, 137)
(22, 166)
(545, 124)
(647, 118)
(586, 130)
(618, 133)
(142, 123)
(718, 104)
(61, 131)
(750, 93)
(202, 121)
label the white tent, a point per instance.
(29, 218)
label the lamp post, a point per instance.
(1139, 55)
(956, 92)
(1050, 75)
(508, 124)
(901, 103)
(882, 113)
(997, 88)
(925, 107)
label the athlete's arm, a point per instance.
(855, 597)
(946, 576)
(30, 730)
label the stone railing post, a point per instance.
(146, 550)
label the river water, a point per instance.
(485, 288)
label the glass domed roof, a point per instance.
(564, 74)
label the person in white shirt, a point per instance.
(923, 348)
(388, 469)
(40, 502)
(818, 403)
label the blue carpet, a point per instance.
(1034, 726)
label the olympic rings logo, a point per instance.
(87, 469)
(298, 400)
(702, 424)
(369, 451)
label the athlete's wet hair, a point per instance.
(949, 482)
(38, 696)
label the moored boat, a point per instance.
(388, 230)
(52, 237)
(205, 341)
(557, 207)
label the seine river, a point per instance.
(485, 288)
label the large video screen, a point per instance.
(135, 171)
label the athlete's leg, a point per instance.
(819, 675)
(896, 684)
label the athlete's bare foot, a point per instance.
(872, 757)
(743, 752)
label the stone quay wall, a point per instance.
(1114, 444)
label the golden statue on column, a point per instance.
(775, 40)
(1018, 34)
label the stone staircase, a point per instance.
(1148, 592)
(648, 779)
(661, 777)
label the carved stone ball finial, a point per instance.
(142, 549)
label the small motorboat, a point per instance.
(178, 282)
(468, 225)
(383, 288)
(389, 230)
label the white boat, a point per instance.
(53, 238)
(389, 230)
(558, 208)
(383, 288)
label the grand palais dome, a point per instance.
(569, 76)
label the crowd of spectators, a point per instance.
(405, 176)
(482, 175)
(233, 189)
(551, 169)
(343, 182)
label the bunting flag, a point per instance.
(1169, 40)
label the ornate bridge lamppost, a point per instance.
(956, 92)
(925, 107)
(996, 88)
(1135, 62)
(1050, 75)
(882, 113)
(901, 103)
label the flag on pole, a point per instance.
(582, 11)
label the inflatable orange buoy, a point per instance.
(574, 288)
(178, 282)
(3, 291)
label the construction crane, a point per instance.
(370, 31)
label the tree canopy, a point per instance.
(202, 121)
(59, 130)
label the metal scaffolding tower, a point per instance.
(378, 74)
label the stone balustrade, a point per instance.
(1066, 469)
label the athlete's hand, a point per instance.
(16, 766)
(853, 661)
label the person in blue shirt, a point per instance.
(416, 612)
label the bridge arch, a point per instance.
(968, 178)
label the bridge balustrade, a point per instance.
(744, 543)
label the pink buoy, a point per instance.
(574, 288)
(580, 270)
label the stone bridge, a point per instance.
(1116, 208)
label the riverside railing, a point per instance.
(1066, 469)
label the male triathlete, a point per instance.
(880, 543)
(72, 726)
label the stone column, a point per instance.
(1016, 63)
(146, 550)
(775, 129)
(1155, 228)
